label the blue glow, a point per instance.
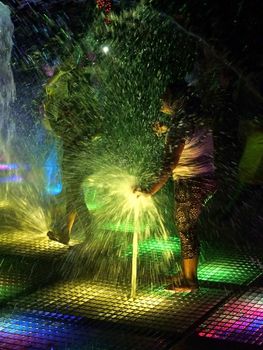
(12, 178)
(52, 173)
(255, 325)
(32, 329)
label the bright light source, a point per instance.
(105, 49)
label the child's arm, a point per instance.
(173, 149)
(173, 159)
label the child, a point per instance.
(188, 159)
(63, 121)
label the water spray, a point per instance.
(7, 86)
(118, 211)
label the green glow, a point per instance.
(7, 291)
(91, 200)
(109, 196)
(225, 271)
(94, 203)
(150, 246)
(122, 220)
(251, 163)
(115, 108)
(121, 227)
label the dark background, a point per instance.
(233, 28)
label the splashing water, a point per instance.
(20, 195)
(109, 104)
(123, 217)
(7, 86)
(144, 51)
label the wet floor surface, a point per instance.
(40, 310)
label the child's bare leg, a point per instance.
(63, 236)
(190, 249)
(59, 230)
(189, 268)
(187, 279)
(70, 220)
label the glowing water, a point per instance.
(115, 105)
(7, 91)
(19, 189)
(134, 254)
(52, 172)
(7, 87)
(121, 219)
(144, 51)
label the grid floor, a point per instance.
(30, 244)
(223, 267)
(43, 330)
(83, 314)
(230, 268)
(239, 320)
(11, 285)
(19, 275)
(157, 310)
(98, 316)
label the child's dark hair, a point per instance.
(179, 89)
(174, 91)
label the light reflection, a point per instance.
(4, 167)
(11, 178)
(238, 320)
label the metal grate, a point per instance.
(239, 320)
(74, 313)
(83, 314)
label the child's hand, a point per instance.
(145, 194)
(138, 192)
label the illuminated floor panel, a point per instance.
(228, 268)
(29, 331)
(30, 244)
(159, 247)
(239, 320)
(222, 267)
(45, 330)
(11, 285)
(84, 315)
(19, 276)
(157, 310)
(16, 277)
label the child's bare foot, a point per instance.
(62, 237)
(179, 284)
(182, 288)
